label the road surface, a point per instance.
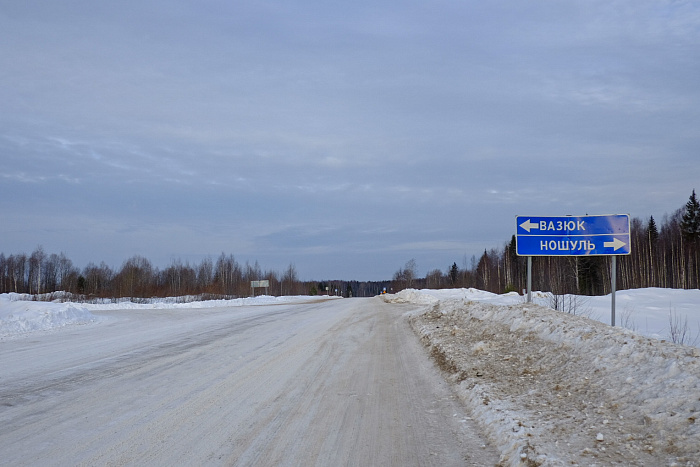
(338, 382)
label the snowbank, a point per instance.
(647, 311)
(163, 303)
(553, 388)
(21, 317)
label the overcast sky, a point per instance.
(343, 137)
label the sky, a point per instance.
(345, 138)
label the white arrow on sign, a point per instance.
(616, 244)
(527, 225)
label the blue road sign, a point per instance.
(573, 235)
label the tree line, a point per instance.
(42, 274)
(663, 255)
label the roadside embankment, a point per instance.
(552, 388)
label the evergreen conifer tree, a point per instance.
(690, 222)
(454, 272)
(652, 231)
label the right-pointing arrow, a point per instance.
(616, 244)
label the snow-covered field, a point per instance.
(20, 316)
(552, 388)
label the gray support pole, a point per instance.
(529, 279)
(613, 280)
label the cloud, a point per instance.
(322, 130)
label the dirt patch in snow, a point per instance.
(557, 389)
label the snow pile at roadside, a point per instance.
(558, 389)
(420, 297)
(430, 296)
(165, 303)
(647, 311)
(21, 317)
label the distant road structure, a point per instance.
(256, 284)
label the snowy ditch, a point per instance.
(551, 388)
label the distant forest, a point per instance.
(663, 255)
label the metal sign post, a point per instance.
(529, 279)
(613, 280)
(607, 235)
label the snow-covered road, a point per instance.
(341, 382)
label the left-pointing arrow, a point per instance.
(527, 225)
(616, 244)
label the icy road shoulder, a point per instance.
(558, 389)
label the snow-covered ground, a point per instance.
(548, 387)
(20, 316)
(648, 311)
(553, 388)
